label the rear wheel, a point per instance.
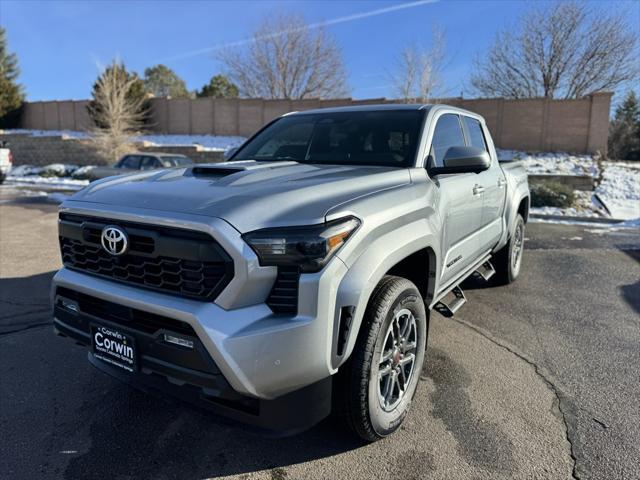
(377, 384)
(508, 260)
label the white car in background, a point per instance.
(6, 160)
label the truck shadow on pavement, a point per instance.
(132, 434)
(631, 293)
(24, 301)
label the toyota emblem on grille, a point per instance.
(114, 240)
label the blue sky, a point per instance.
(60, 44)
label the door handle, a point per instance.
(501, 182)
(478, 189)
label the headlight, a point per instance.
(309, 248)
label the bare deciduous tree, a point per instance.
(565, 50)
(287, 59)
(117, 114)
(417, 73)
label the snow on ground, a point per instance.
(208, 142)
(620, 189)
(56, 182)
(552, 163)
(47, 133)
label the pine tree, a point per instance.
(136, 92)
(161, 81)
(11, 94)
(624, 132)
(219, 87)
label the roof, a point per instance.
(366, 108)
(425, 107)
(159, 154)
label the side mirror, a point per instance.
(463, 160)
(230, 153)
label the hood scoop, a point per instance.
(218, 170)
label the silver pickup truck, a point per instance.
(297, 277)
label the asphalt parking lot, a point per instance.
(540, 379)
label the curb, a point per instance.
(568, 218)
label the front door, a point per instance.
(460, 201)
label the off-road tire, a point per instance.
(504, 261)
(357, 394)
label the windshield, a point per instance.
(378, 138)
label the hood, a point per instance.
(248, 194)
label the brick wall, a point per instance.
(578, 126)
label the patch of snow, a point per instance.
(568, 212)
(25, 170)
(552, 163)
(48, 133)
(207, 142)
(567, 222)
(620, 190)
(57, 182)
(81, 172)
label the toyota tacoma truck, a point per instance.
(297, 277)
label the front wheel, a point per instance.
(508, 260)
(379, 381)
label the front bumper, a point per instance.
(191, 375)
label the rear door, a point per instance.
(460, 202)
(492, 181)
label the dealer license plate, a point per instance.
(114, 347)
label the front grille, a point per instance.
(284, 293)
(171, 260)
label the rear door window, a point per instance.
(474, 132)
(149, 163)
(448, 133)
(131, 162)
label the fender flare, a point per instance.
(363, 276)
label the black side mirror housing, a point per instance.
(463, 160)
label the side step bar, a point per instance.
(449, 309)
(451, 302)
(486, 270)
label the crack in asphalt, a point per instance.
(27, 313)
(23, 304)
(560, 397)
(26, 327)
